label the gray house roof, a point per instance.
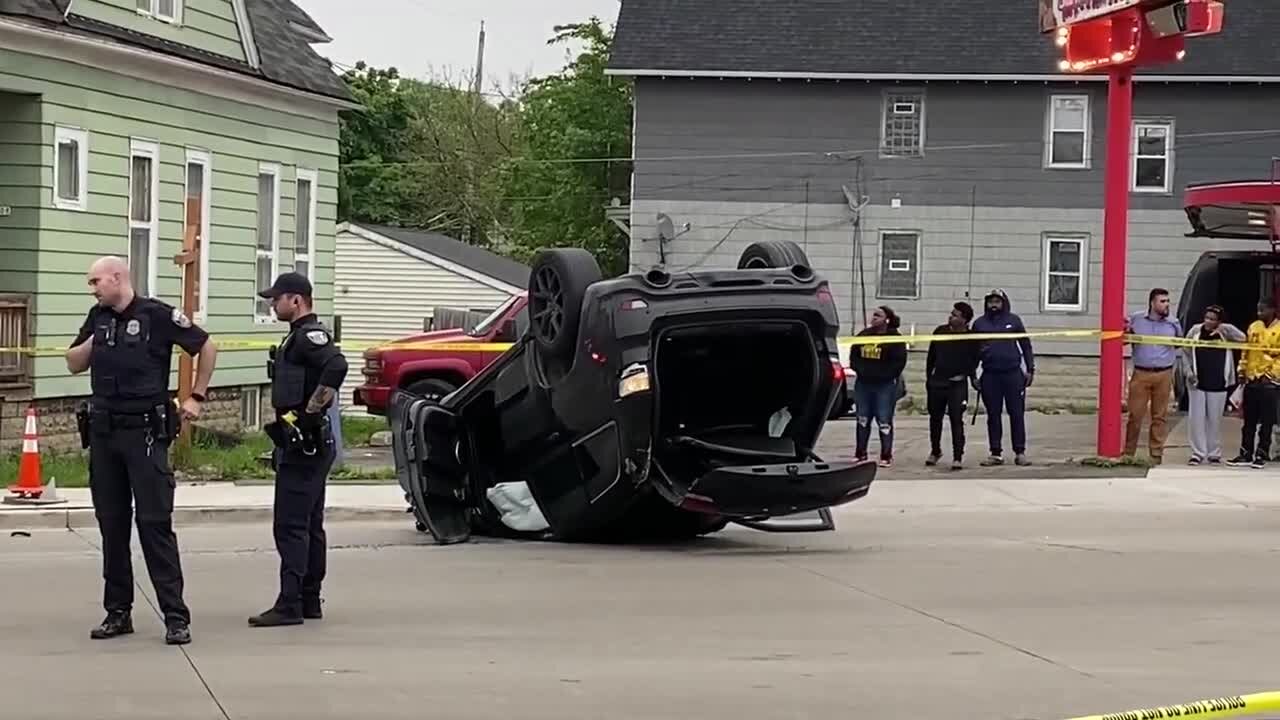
(894, 37)
(281, 30)
(470, 256)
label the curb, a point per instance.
(83, 517)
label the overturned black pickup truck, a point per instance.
(649, 406)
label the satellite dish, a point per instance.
(666, 228)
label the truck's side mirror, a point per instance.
(507, 333)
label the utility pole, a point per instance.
(479, 81)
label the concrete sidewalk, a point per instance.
(1164, 489)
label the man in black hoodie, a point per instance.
(1008, 368)
(949, 368)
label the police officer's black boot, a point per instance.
(311, 608)
(277, 616)
(117, 622)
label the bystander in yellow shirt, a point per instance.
(1260, 364)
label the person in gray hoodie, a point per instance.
(1209, 373)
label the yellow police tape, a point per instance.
(1223, 707)
(232, 343)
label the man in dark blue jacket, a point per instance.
(1008, 367)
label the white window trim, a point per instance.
(919, 235)
(79, 136)
(154, 12)
(148, 149)
(1087, 158)
(272, 169)
(1047, 240)
(309, 243)
(1168, 157)
(205, 161)
(884, 121)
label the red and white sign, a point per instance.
(1059, 13)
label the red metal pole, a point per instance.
(1114, 254)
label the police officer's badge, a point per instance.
(180, 319)
(318, 337)
(134, 327)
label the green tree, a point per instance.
(423, 154)
(571, 126)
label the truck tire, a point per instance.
(433, 389)
(558, 284)
(772, 254)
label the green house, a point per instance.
(124, 126)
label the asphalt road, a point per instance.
(947, 611)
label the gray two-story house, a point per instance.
(924, 154)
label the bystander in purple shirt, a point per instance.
(1154, 357)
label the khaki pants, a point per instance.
(1148, 391)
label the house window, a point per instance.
(899, 264)
(304, 248)
(167, 10)
(1070, 132)
(902, 127)
(71, 168)
(144, 223)
(196, 222)
(1063, 267)
(1152, 157)
(268, 236)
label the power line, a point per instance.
(828, 154)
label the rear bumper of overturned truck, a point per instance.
(747, 492)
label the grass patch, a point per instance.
(68, 469)
(1127, 461)
(211, 457)
(356, 431)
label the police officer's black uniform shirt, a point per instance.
(133, 350)
(310, 346)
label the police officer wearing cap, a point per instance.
(127, 344)
(306, 370)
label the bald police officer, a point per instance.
(127, 343)
(306, 370)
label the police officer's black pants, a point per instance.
(299, 525)
(124, 470)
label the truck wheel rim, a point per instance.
(548, 304)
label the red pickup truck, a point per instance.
(410, 363)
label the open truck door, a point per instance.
(417, 424)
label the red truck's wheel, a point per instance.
(432, 389)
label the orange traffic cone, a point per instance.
(29, 484)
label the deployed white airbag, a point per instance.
(519, 510)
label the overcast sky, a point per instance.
(419, 36)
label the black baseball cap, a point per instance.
(290, 282)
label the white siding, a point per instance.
(382, 294)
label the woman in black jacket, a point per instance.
(875, 390)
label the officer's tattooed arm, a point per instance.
(320, 399)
